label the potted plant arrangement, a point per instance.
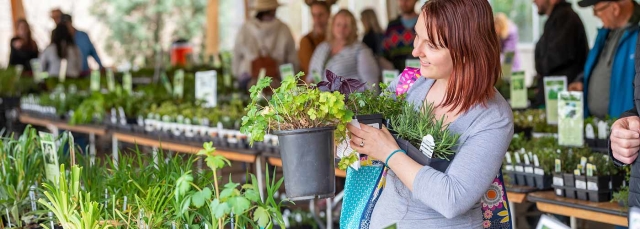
(544, 166)
(602, 177)
(302, 117)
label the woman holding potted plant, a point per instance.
(460, 60)
(343, 54)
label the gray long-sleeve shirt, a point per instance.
(355, 61)
(450, 199)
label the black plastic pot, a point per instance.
(308, 162)
(569, 180)
(543, 181)
(521, 179)
(591, 143)
(558, 179)
(570, 192)
(599, 196)
(559, 190)
(531, 179)
(415, 154)
(616, 182)
(511, 175)
(582, 194)
(371, 119)
(602, 143)
(581, 182)
(599, 183)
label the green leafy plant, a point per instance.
(294, 106)
(413, 124)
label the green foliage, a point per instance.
(621, 196)
(292, 107)
(12, 84)
(137, 26)
(369, 102)
(413, 124)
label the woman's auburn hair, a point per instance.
(466, 28)
(353, 35)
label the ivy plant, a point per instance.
(294, 106)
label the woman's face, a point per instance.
(341, 27)
(23, 30)
(435, 62)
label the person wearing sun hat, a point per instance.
(263, 35)
(608, 75)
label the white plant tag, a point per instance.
(589, 133)
(558, 181)
(114, 116)
(536, 162)
(508, 157)
(123, 117)
(580, 184)
(427, 145)
(603, 130)
(344, 148)
(558, 166)
(592, 186)
(559, 191)
(589, 169)
(517, 158)
(526, 159)
(538, 171)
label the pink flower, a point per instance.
(488, 214)
(486, 224)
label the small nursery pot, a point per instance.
(415, 154)
(569, 180)
(308, 162)
(531, 179)
(559, 190)
(599, 196)
(570, 192)
(582, 194)
(602, 143)
(521, 178)
(374, 120)
(543, 181)
(581, 182)
(591, 142)
(558, 179)
(511, 175)
(598, 183)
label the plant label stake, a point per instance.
(589, 132)
(127, 83)
(603, 130)
(124, 205)
(111, 81)
(570, 119)
(8, 218)
(63, 70)
(583, 163)
(552, 87)
(95, 80)
(50, 214)
(518, 90)
(427, 145)
(173, 225)
(106, 197)
(52, 169)
(389, 75)
(32, 197)
(206, 87)
(286, 71)
(509, 166)
(114, 116)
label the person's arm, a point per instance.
(469, 176)
(368, 67)
(93, 53)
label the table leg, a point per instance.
(114, 152)
(259, 177)
(573, 222)
(312, 209)
(512, 209)
(92, 147)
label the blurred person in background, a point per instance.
(62, 47)
(320, 12)
(83, 42)
(398, 38)
(263, 42)
(508, 34)
(343, 54)
(373, 33)
(23, 47)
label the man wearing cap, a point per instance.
(562, 49)
(263, 37)
(608, 76)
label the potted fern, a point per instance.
(305, 120)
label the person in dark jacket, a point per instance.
(398, 38)
(625, 138)
(610, 64)
(23, 47)
(562, 48)
(373, 33)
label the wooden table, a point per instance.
(54, 126)
(85, 129)
(235, 155)
(278, 162)
(604, 212)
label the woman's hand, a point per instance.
(377, 143)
